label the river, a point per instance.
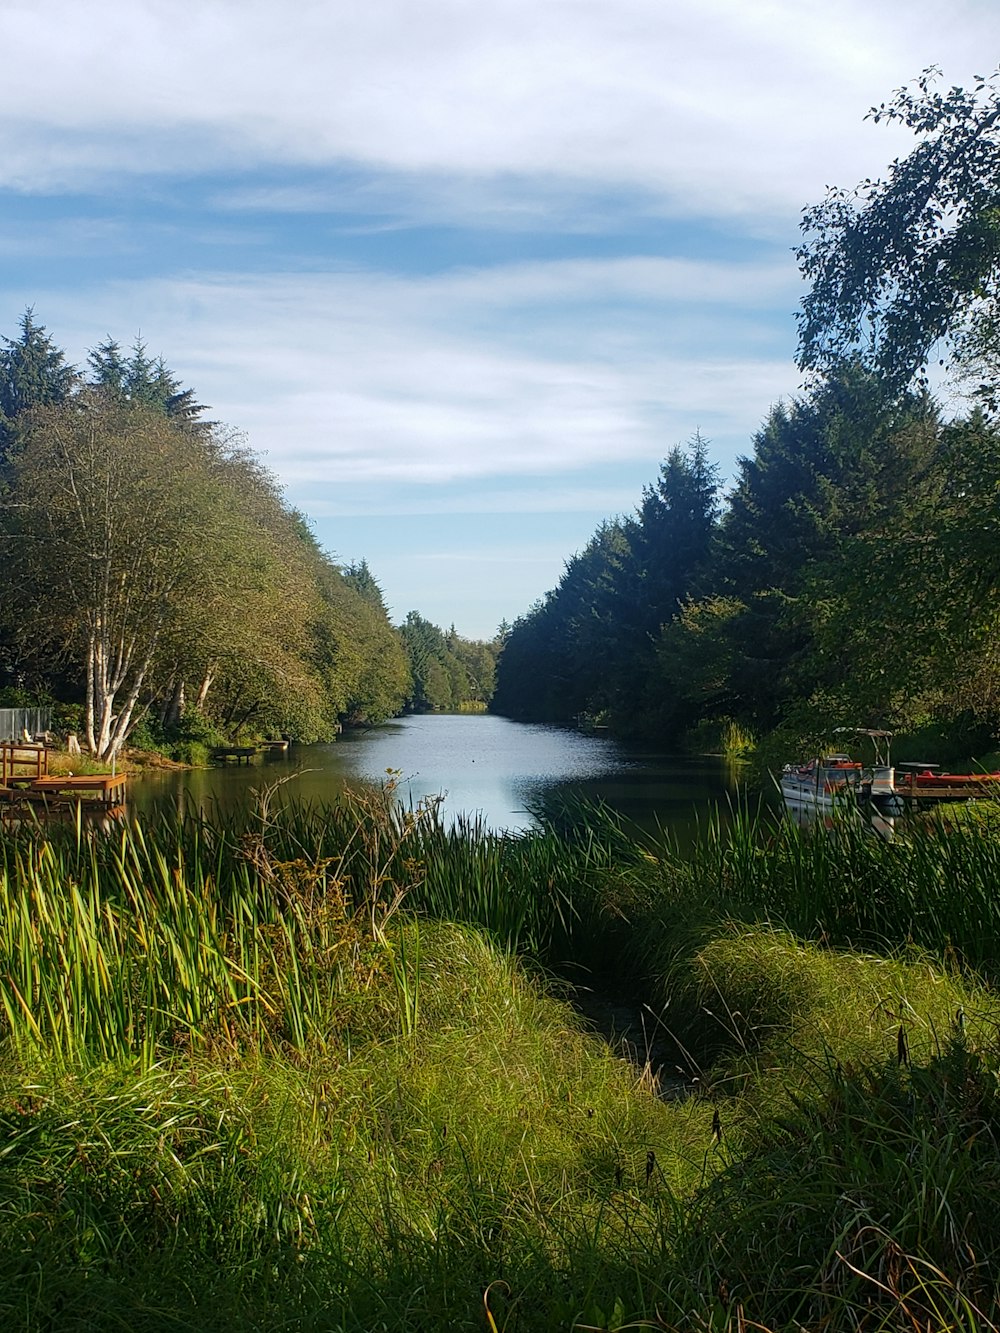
(481, 765)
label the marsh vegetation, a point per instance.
(322, 1068)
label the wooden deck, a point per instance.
(22, 761)
(925, 787)
(97, 788)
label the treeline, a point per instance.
(851, 574)
(154, 575)
(448, 671)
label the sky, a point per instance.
(461, 274)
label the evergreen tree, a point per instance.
(675, 533)
(136, 378)
(364, 582)
(33, 373)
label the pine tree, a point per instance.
(33, 373)
(138, 379)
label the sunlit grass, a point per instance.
(254, 1076)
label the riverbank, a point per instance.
(305, 1072)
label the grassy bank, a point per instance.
(305, 1072)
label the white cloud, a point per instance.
(717, 106)
(526, 370)
(611, 497)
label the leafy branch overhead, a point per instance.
(902, 266)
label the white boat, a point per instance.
(822, 783)
(879, 788)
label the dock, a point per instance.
(241, 753)
(25, 776)
(22, 761)
(104, 788)
(947, 787)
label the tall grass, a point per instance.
(213, 930)
(208, 930)
(931, 886)
(248, 1081)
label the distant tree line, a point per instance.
(155, 577)
(447, 670)
(851, 575)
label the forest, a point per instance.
(848, 575)
(160, 592)
(352, 1067)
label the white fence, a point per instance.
(15, 721)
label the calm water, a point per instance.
(483, 765)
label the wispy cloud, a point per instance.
(354, 378)
(718, 107)
(450, 259)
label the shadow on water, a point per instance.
(490, 767)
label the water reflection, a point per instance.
(809, 817)
(486, 767)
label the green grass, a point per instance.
(494, 1141)
(259, 1074)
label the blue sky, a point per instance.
(462, 274)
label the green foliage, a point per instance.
(446, 670)
(899, 264)
(180, 577)
(851, 579)
(193, 738)
(148, 383)
(591, 645)
(33, 373)
(255, 1089)
(851, 576)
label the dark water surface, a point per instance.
(481, 765)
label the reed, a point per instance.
(252, 1076)
(195, 930)
(207, 930)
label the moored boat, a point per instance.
(837, 779)
(823, 782)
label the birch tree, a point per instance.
(902, 266)
(120, 536)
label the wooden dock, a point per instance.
(25, 776)
(102, 787)
(241, 753)
(105, 789)
(948, 787)
(22, 761)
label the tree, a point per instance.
(897, 265)
(826, 468)
(446, 670)
(590, 646)
(127, 539)
(33, 373)
(675, 534)
(921, 629)
(358, 654)
(366, 585)
(427, 654)
(242, 650)
(149, 383)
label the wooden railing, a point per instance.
(22, 762)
